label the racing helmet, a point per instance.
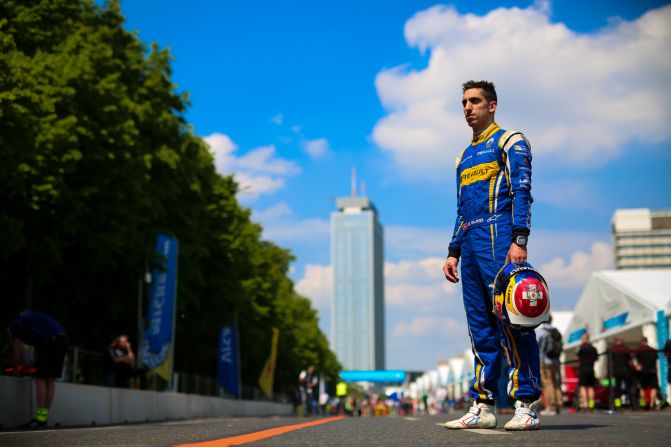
(521, 296)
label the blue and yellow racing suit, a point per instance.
(494, 206)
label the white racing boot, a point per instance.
(480, 415)
(526, 417)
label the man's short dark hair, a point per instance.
(487, 88)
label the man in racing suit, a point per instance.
(492, 227)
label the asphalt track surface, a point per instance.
(590, 429)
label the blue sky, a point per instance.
(292, 95)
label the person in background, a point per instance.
(550, 346)
(621, 361)
(646, 368)
(587, 356)
(50, 341)
(118, 363)
(308, 384)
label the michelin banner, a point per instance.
(157, 347)
(228, 370)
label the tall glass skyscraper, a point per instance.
(357, 307)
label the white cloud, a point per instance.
(277, 119)
(256, 185)
(573, 194)
(316, 148)
(259, 171)
(430, 325)
(279, 224)
(410, 286)
(276, 212)
(418, 306)
(566, 258)
(418, 284)
(409, 242)
(579, 98)
(222, 148)
(559, 273)
(316, 284)
(263, 160)
(422, 271)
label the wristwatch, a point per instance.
(521, 241)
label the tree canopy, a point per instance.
(96, 157)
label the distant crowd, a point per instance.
(632, 371)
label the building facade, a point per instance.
(642, 238)
(357, 306)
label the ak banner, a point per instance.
(268, 374)
(228, 366)
(157, 347)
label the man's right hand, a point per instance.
(450, 269)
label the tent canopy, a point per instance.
(617, 300)
(561, 320)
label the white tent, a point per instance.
(616, 300)
(468, 372)
(413, 390)
(561, 319)
(621, 302)
(425, 382)
(456, 367)
(433, 379)
(444, 374)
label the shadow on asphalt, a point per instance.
(572, 427)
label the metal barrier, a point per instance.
(85, 366)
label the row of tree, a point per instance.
(96, 157)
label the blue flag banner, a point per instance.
(662, 336)
(156, 351)
(228, 364)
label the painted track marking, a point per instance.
(257, 436)
(482, 431)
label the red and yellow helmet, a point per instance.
(521, 296)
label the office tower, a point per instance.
(642, 238)
(357, 306)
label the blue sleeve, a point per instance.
(457, 234)
(517, 155)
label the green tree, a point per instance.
(96, 157)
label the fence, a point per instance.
(86, 367)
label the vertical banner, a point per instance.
(662, 336)
(228, 366)
(268, 374)
(157, 348)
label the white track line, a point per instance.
(483, 431)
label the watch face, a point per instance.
(521, 241)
